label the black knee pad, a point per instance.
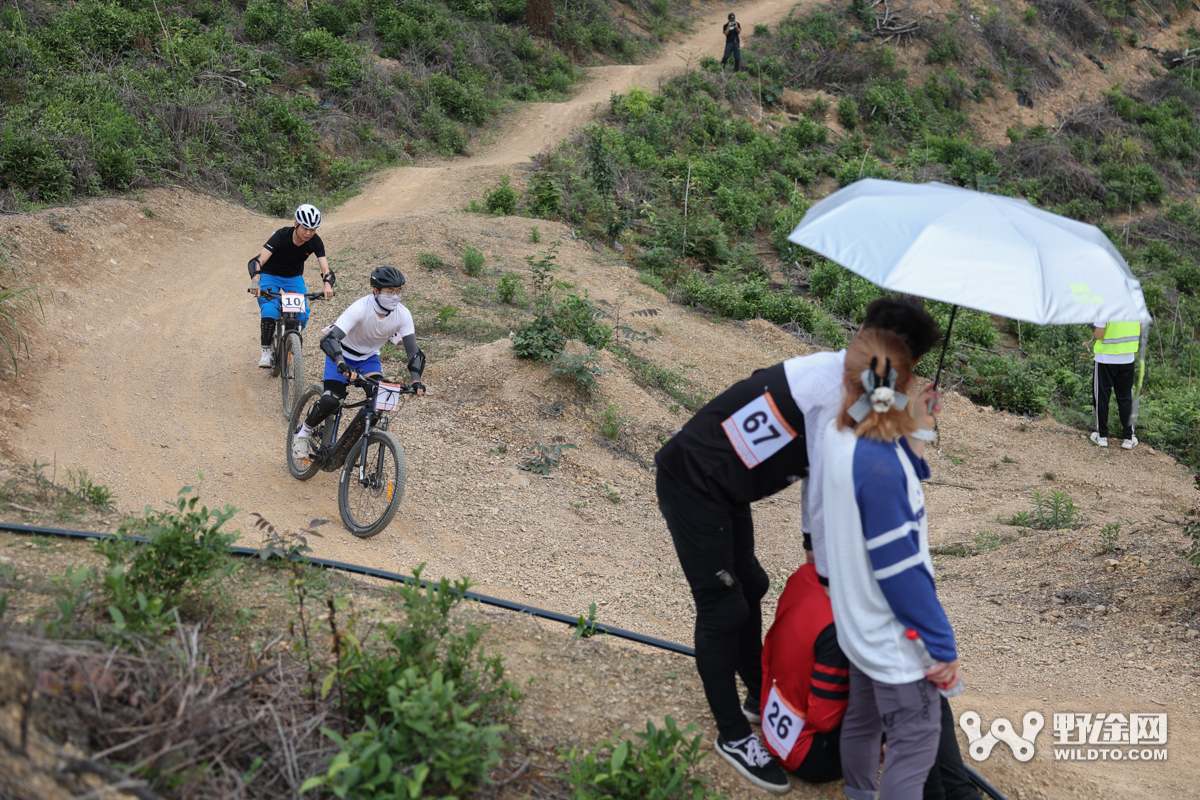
(267, 326)
(325, 405)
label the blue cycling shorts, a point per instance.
(363, 366)
(270, 308)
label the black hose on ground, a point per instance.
(509, 605)
(357, 569)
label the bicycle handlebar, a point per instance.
(273, 294)
(363, 381)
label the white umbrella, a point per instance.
(984, 251)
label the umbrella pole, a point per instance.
(945, 343)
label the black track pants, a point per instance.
(1109, 379)
(715, 545)
(733, 48)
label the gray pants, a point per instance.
(911, 716)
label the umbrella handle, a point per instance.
(945, 343)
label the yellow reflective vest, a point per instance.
(1119, 338)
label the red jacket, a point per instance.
(803, 662)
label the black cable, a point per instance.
(982, 783)
(394, 577)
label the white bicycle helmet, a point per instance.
(308, 216)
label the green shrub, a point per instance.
(509, 288)
(501, 198)
(422, 724)
(754, 298)
(847, 111)
(577, 318)
(430, 260)
(181, 565)
(944, 48)
(330, 18)
(473, 262)
(657, 768)
(263, 18)
(656, 260)
(538, 340)
(805, 133)
(1005, 382)
(841, 291)
(582, 370)
(611, 421)
(428, 641)
(543, 195)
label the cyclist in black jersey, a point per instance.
(280, 265)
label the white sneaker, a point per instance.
(1129, 444)
(1101, 440)
(268, 359)
(300, 447)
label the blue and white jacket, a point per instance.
(880, 572)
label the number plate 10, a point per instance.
(291, 303)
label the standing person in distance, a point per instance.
(1114, 350)
(733, 43)
(755, 439)
(880, 572)
(351, 346)
(281, 265)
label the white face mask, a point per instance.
(388, 302)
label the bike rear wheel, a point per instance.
(292, 373)
(304, 470)
(369, 504)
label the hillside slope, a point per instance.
(144, 372)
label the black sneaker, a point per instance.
(752, 708)
(755, 763)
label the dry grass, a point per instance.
(181, 716)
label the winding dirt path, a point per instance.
(156, 375)
(144, 373)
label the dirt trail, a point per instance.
(144, 372)
(156, 374)
(537, 127)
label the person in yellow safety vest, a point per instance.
(1114, 351)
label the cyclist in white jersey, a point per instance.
(351, 347)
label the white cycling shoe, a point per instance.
(268, 359)
(300, 448)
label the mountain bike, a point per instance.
(372, 461)
(289, 341)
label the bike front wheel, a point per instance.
(292, 372)
(303, 470)
(369, 492)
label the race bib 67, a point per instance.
(757, 430)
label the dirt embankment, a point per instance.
(144, 372)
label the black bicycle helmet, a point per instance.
(386, 278)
